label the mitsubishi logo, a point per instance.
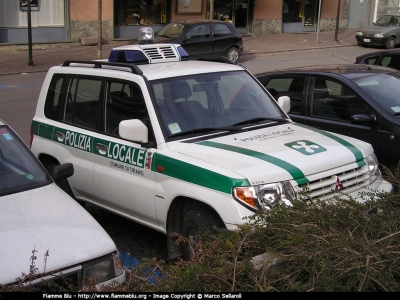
(338, 185)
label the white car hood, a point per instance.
(257, 154)
(47, 219)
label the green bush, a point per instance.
(317, 246)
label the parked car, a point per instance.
(203, 37)
(386, 58)
(44, 233)
(355, 100)
(384, 32)
(182, 145)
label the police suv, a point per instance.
(183, 145)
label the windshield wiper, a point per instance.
(206, 129)
(162, 35)
(256, 120)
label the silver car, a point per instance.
(384, 32)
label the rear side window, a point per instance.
(220, 30)
(94, 103)
(81, 107)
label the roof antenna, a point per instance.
(343, 58)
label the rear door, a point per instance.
(223, 38)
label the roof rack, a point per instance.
(98, 65)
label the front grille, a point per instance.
(343, 180)
(164, 53)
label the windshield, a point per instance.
(172, 30)
(19, 170)
(384, 89)
(387, 20)
(213, 101)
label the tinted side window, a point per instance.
(371, 60)
(288, 86)
(82, 103)
(123, 102)
(52, 109)
(220, 30)
(199, 31)
(334, 100)
(392, 62)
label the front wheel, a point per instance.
(195, 224)
(233, 54)
(391, 43)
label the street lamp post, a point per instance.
(30, 61)
(337, 23)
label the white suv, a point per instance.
(180, 145)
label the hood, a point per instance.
(47, 219)
(377, 29)
(288, 152)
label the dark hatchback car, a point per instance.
(384, 32)
(203, 38)
(354, 100)
(386, 58)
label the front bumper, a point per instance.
(373, 41)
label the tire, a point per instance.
(391, 43)
(232, 54)
(64, 184)
(196, 223)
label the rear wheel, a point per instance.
(195, 224)
(233, 54)
(391, 43)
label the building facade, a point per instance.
(54, 21)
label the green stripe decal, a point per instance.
(196, 175)
(295, 172)
(357, 153)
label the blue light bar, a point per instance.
(127, 56)
(183, 54)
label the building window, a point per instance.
(139, 12)
(47, 13)
(292, 11)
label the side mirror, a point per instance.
(362, 119)
(133, 130)
(284, 103)
(62, 172)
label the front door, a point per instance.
(123, 179)
(331, 106)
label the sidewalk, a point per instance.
(14, 59)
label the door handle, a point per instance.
(101, 148)
(60, 136)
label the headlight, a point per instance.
(373, 168)
(359, 33)
(265, 196)
(103, 270)
(378, 35)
